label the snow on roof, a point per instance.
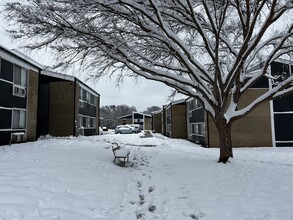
(25, 61)
(130, 115)
(58, 75)
(68, 78)
(18, 58)
(24, 56)
(180, 101)
(125, 116)
(157, 111)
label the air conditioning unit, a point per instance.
(81, 103)
(19, 91)
(18, 137)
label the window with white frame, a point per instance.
(19, 76)
(92, 122)
(92, 99)
(197, 129)
(84, 121)
(194, 104)
(87, 96)
(87, 122)
(18, 119)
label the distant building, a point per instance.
(175, 119)
(157, 121)
(144, 120)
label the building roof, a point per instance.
(177, 102)
(19, 59)
(157, 112)
(131, 115)
(25, 61)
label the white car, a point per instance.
(135, 127)
(124, 129)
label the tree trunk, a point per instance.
(224, 132)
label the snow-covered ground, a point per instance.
(75, 179)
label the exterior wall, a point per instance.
(122, 121)
(178, 121)
(76, 110)
(143, 120)
(98, 115)
(18, 99)
(157, 122)
(253, 130)
(32, 105)
(147, 123)
(196, 121)
(61, 114)
(168, 121)
(88, 111)
(163, 123)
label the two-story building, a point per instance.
(36, 102)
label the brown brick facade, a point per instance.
(61, 118)
(254, 130)
(32, 105)
(179, 121)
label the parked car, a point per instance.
(124, 129)
(105, 129)
(135, 127)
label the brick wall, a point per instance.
(32, 105)
(254, 130)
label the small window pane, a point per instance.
(17, 75)
(19, 119)
(23, 77)
(84, 121)
(84, 95)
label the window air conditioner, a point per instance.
(18, 137)
(81, 103)
(19, 91)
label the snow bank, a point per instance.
(74, 178)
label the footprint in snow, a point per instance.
(152, 208)
(151, 189)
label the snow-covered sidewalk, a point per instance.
(74, 178)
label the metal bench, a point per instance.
(120, 153)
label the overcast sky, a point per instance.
(141, 94)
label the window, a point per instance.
(92, 99)
(194, 104)
(87, 122)
(83, 95)
(84, 122)
(19, 76)
(92, 122)
(197, 129)
(80, 93)
(19, 119)
(81, 103)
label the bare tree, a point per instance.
(203, 49)
(151, 109)
(110, 114)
